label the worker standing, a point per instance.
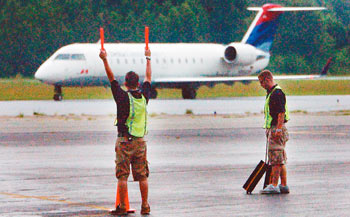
(276, 115)
(131, 122)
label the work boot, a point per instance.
(270, 189)
(118, 211)
(145, 210)
(284, 189)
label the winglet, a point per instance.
(326, 67)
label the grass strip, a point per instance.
(30, 89)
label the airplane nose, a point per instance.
(47, 73)
(42, 73)
(39, 74)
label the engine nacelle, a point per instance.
(240, 54)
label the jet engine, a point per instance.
(240, 54)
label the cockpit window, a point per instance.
(70, 57)
(62, 57)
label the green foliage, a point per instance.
(291, 64)
(342, 61)
(33, 30)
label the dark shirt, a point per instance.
(121, 98)
(277, 104)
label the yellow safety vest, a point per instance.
(137, 120)
(268, 117)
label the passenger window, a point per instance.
(186, 61)
(118, 61)
(194, 61)
(171, 60)
(126, 61)
(164, 60)
(201, 60)
(78, 57)
(157, 61)
(179, 60)
(133, 60)
(141, 61)
(62, 57)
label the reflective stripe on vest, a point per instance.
(268, 117)
(137, 119)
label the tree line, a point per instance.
(33, 29)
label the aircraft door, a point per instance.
(81, 69)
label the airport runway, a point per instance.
(64, 166)
(234, 105)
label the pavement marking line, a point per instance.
(317, 133)
(48, 198)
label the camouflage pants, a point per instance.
(276, 146)
(132, 152)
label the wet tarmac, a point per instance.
(234, 105)
(64, 166)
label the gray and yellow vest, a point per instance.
(268, 117)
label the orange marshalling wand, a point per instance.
(102, 37)
(146, 37)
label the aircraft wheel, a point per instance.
(154, 93)
(57, 97)
(246, 82)
(189, 92)
(58, 93)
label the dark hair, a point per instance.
(131, 79)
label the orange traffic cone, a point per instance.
(126, 201)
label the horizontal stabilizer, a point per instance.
(288, 9)
(297, 9)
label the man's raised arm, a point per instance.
(103, 56)
(148, 66)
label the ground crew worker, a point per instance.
(131, 121)
(276, 115)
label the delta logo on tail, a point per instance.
(265, 28)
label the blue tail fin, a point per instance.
(262, 30)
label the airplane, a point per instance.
(174, 65)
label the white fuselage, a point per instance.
(79, 64)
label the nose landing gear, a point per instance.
(154, 93)
(58, 93)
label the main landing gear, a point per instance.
(189, 92)
(154, 93)
(58, 93)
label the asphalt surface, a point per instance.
(64, 166)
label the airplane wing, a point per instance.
(174, 81)
(238, 78)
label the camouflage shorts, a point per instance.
(276, 145)
(277, 157)
(131, 152)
